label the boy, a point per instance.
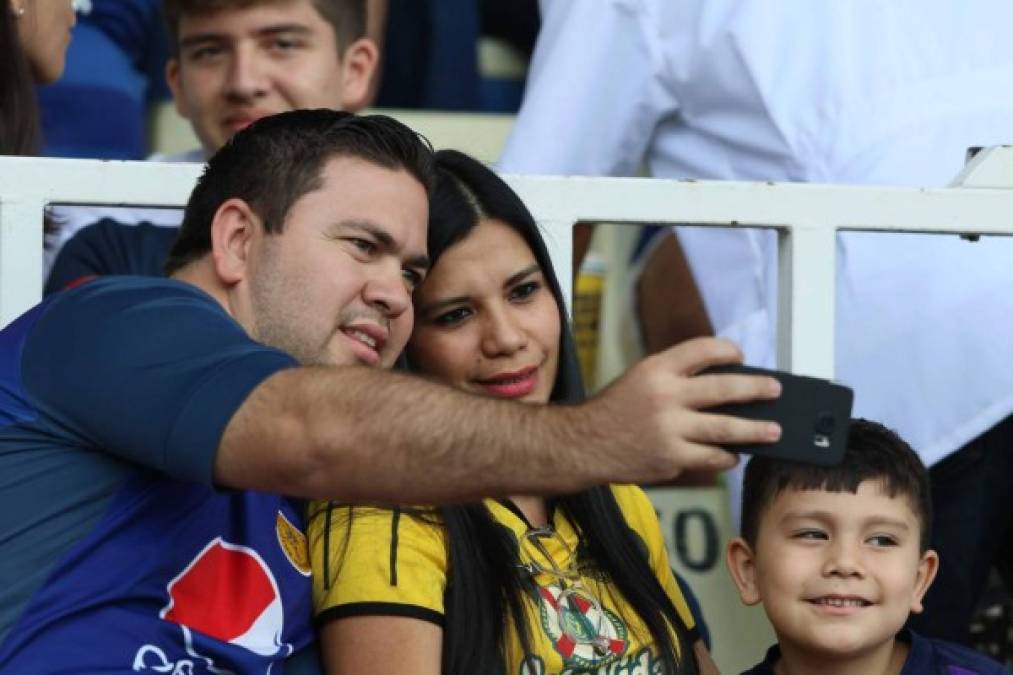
(839, 557)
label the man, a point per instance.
(231, 63)
(141, 526)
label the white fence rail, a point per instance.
(806, 217)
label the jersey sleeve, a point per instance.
(641, 516)
(592, 98)
(373, 561)
(148, 370)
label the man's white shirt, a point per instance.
(795, 90)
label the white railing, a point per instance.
(806, 217)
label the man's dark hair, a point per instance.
(278, 159)
(347, 17)
(874, 453)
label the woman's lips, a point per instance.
(511, 385)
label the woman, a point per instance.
(34, 35)
(578, 582)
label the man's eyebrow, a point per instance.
(386, 241)
(275, 29)
(202, 38)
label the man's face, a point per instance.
(238, 65)
(334, 287)
(837, 573)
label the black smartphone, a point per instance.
(814, 415)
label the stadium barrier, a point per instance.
(806, 217)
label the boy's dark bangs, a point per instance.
(840, 478)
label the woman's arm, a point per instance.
(379, 576)
(361, 645)
(704, 663)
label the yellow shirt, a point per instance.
(376, 561)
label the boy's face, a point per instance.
(239, 64)
(837, 573)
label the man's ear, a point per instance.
(928, 566)
(233, 230)
(742, 566)
(358, 66)
(172, 78)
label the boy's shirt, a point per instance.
(927, 657)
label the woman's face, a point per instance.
(44, 33)
(485, 319)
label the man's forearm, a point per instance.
(361, 435)
(356, 434)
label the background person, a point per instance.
(231, 63)
(115, 76)
(487, 587)
(33, 45)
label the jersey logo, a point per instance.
(293, 543)
(583, 632)
(227, 593)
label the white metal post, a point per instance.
(558, 234)
(20, 254)
(805, 287)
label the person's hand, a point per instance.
(652, 424)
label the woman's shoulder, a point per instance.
(368, 520)
(633, 501)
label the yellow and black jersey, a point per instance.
(377, 561)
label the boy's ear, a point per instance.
(232, 232)
(742, 566)
(358, 68)
(928, 566)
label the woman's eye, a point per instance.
(452, 317)
(525, 290)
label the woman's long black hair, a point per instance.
(484, 586)
(19, 111)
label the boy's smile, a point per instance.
(838, 573)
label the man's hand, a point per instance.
(652, 424)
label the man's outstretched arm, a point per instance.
(357, 434)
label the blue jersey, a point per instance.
(927, 657)
(118, 554)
